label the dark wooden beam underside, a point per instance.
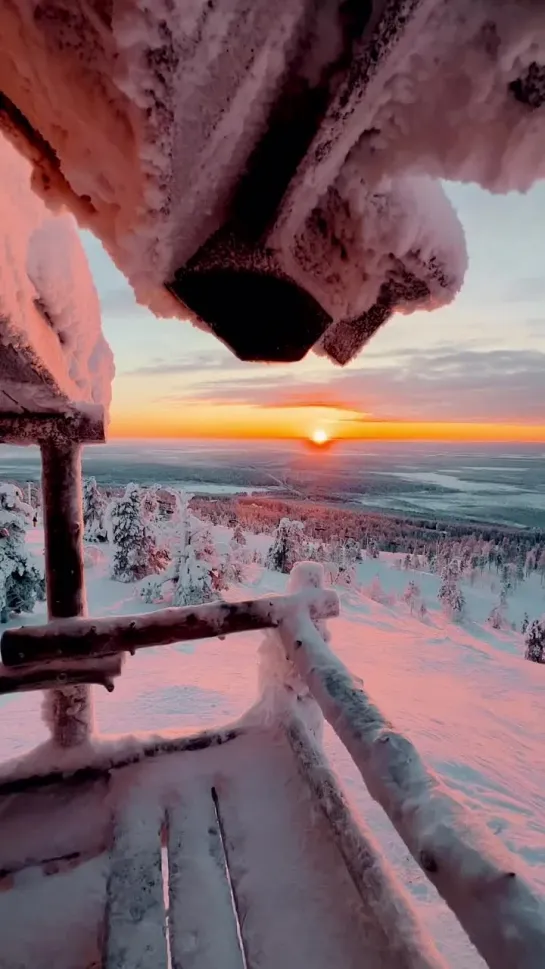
(77, 426)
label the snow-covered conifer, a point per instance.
(450, 595)
(287, 547)
(94, 506)
(136, 553)
(411, 594)
(193, 581)
(21, 584)
(239, 538)
(535, 642)
(497, 617)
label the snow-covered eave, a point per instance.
(37, 401)
(29, 384)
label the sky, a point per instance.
(472, 371)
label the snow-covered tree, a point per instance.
(535, 642)
(411, 594)
(21, 584)
(450, 595)
(239, 538)
(506, 584)
(287, 546)
(198, 572)
(373, 550)
(94, 507)
(136, 553)
(525, 623)
(193, 581)
(497, 617)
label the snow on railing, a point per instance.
(502, 915)
(81, 637)
(496, 905)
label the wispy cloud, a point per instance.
(468, 385)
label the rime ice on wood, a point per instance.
(308, 162)
(50, 334)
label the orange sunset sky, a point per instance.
(474, 371)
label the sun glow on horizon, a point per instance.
(319, 436)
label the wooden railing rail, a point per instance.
(82, 637)
(498, 908)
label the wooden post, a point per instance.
(66, 711)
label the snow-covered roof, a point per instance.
(52, 351)
(216, 147)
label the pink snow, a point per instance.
(461, 692)
(48, 301)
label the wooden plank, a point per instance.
(202, 921)
(497, 906)
(135, 936)
(297, 903)
(95, 637)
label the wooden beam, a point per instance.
(497, 906)
(71, 638)
(126, 751)
(60, 674)
(66, 711)
(78, 426)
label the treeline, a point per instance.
(334, 525)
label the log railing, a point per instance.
(78, 637)
(498, 908)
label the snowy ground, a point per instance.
(463, 693)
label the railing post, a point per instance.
(66, 711)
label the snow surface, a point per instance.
(461, 692)
(163, 104)
(48, 301)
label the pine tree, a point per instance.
(450, 595)
(21, 584)
(287, 546)
(239, 538)
(411, 594)
(94, 506)
(535, 642)
(193, 579)
(497, 617)
(525, 623)
(136, 553)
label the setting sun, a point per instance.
(319, 436)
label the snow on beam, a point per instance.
(380, 894)
(71, 638)
(36, 769)
(471, 869)
(79, 426)
(59, 674)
